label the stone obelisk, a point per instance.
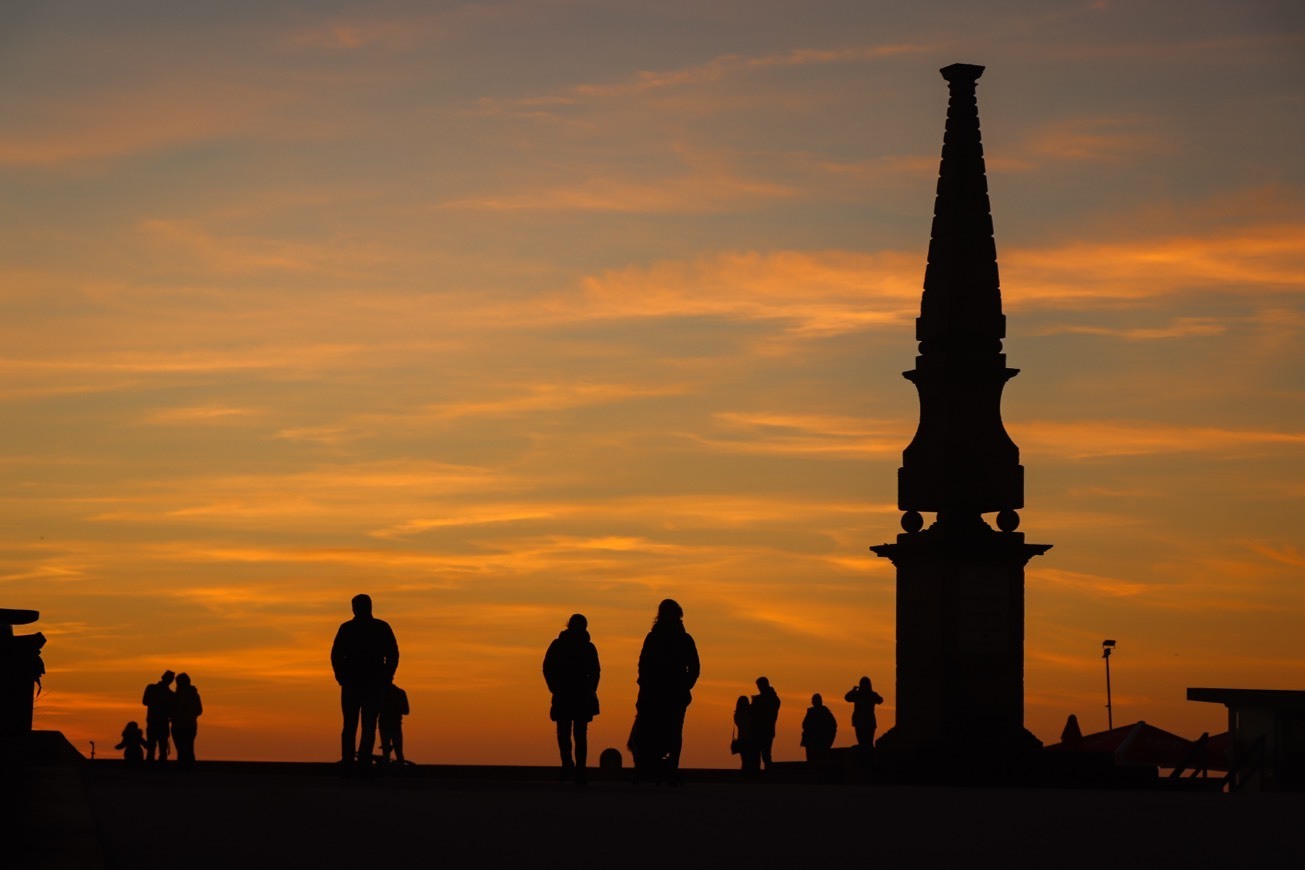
(960, 582)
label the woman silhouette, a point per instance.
(668, 670)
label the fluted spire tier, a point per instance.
(961, 307)
(961, 460)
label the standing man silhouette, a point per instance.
(765, 713)
(158, 714)
(364, 657)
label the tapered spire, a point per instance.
(961, 460)
(961, 308)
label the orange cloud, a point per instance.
(1265, 258)
(108, 125)
(1089, 439)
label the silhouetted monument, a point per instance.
(20, 674)
(960, 583)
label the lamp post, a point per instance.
(1107, 646)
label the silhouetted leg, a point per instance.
(766, 743)
(564, 746)
(351, 709)
(676, 744)
(397, 740)
(371, 708)
(581, 750)
(156, 739)
(184, 737)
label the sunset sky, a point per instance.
(500, 311)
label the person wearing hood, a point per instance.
(571, 671)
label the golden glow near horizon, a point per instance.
(501, 311)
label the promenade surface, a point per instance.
(231, 815)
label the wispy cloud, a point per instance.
(1089, 439)
(710, 72)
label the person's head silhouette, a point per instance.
(183, 681)
(865, 683)
(670, 610)
(362, 606)
(763, 684)
(741, 703)
(166, 679)
(577, 622)
(817, 701)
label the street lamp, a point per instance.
(1108, 646)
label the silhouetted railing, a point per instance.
(1197, 758)
(1247, 765)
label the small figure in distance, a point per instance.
(1072, 735)
(765, 713)
(819, 727)
(863, 699)
(394, 706)
(158, 716)
(571, 671)
(745, 742)
(132, 745)
(186, 709)
(364, 657)
(668, 669)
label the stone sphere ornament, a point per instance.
(1008, 521)
(912, 522)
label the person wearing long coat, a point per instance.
(186, 710)
(668, 669)
(745, 739)
(819, 727)
(571, 671)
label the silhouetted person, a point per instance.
(765, 713)
(571, 671)
(364, 657)
(394, 706)
(668, 670)
(864, 698)
(819, 727)
(186, 709)
(745, 737)
(132, 745)
(158, 716)
(1072, 736)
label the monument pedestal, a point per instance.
(960, 640)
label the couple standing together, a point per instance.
(172, 714)
(668, 670)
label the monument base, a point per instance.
(960, 642)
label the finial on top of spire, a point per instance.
(961, 72)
